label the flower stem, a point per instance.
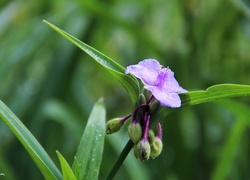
(137, 109)
(126, 117)
(147, 119)
(151, 99)
(159, 130)
(120, 160)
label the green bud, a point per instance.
(135, 131)
(151, 136)
(142, 99)
(114, 125)
(153, 108)
(142, 150)
(147, 94)
(156, 147)
(136, 153)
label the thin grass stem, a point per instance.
(120, 160)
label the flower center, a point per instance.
(161, 77)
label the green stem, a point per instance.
(120, 160)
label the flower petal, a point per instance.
(147, 70)
(160, 81)
(165, 98)
(171, 85)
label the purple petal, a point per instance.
(165, 98)
(171, 85)
(151, 63)
(147, 70)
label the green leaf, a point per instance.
(35, 150)
(212, 93)
(66, 170)
(76, 168)
(129, 82)
(90, 149)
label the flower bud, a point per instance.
(142, 149)
(142, 99)
(156, 147)
(151, 136)
(153, 108)
(147, 94)
(135, 131)
(114, 125)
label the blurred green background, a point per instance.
(51, 85)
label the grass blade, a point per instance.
(90, 149)
(214, 93)
(66, 170)
(129, 82)
(35, 150)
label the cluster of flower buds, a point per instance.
(146, 144)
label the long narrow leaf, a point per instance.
(36, 151)
(210, 94)
(76, 168)
(215, 92)
(129, 82)
(89, 152)
(66, 170)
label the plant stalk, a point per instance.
(120, 160)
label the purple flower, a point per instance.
(160, 81)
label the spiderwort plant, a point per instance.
(165, 91)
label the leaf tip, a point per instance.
(47, 22)
(58, 153)
(101, 100)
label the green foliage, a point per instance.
(212, 93)
(216, 92)
(90, 149)
(38, 154)
(129, 82)
(52, 86)
(89, 152)
(66, 170)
